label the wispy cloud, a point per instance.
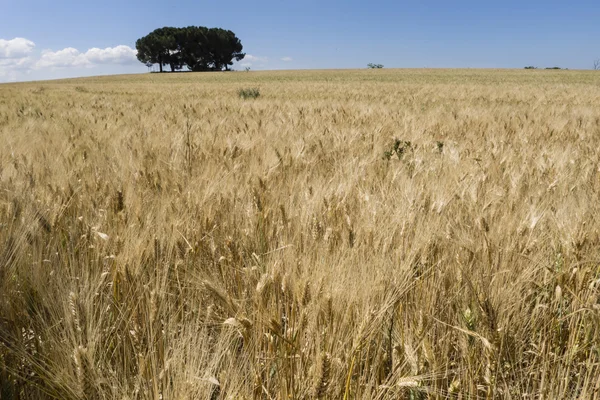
(252, 58)
(287, 59)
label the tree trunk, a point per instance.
(160, 67)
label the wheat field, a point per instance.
(389, 234)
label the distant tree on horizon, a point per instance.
(196, 47)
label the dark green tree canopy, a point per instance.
(196, 47)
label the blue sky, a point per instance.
(41, 39)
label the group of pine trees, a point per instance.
(196, 47)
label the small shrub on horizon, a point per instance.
(398, 148)
(440, 146)
(251, 93)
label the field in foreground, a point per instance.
(346, 235)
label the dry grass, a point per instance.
(346, 235)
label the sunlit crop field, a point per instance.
(375, 234)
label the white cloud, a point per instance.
(15, 48)
(24, 62)
(69, 57)
(20, 61)
(287, 59)
(12, 69)
(15, 58)
(112, 55)
(7, 75)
